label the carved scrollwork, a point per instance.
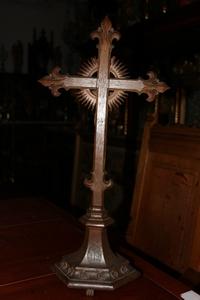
(89, 182)
(152, 86)
(123, 269)
(54, 81)
(105, 32)
(67, 268)
(64, 265)
(102, 276)
(84, 275)
(114, 274)
(108, 184)
(70, 271)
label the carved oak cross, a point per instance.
(103, 83)
(104, 93)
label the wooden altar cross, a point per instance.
(95, 266)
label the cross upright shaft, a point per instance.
(105, 36)
(95, 266)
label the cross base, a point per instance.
(94, 265)
(103, 278)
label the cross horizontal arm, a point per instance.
(126, 85)
(79, 83)
(152, 86)
(56, 81)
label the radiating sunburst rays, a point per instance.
(90, 69)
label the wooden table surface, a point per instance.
(34, 234)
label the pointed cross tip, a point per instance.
(106, 23)
(106, 19)
(161, 86)
(164, 87)
(42, 81)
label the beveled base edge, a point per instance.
(80, 277)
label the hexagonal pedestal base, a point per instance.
(108, 277)
(95, 265)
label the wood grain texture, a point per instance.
(165, 211)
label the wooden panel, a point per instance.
(195, 251)
(165, 213)
(179, 141)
